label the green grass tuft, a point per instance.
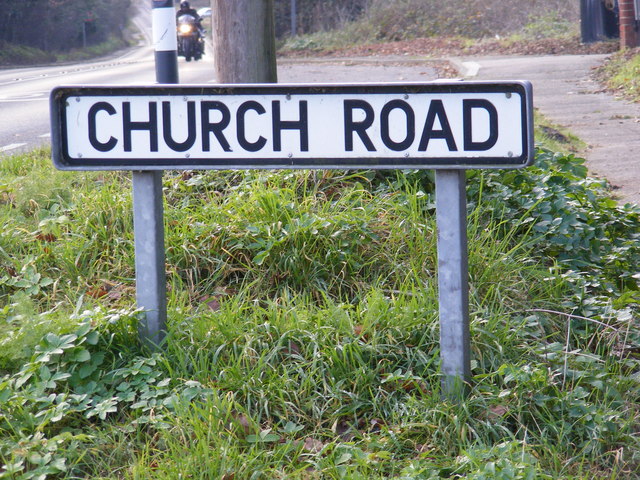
(303, 328)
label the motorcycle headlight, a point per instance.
(184, 28)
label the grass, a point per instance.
(620, 74)
(555, 137)
(303, 336)
(21, 55)
(113, 44)
(466, 21)
(17, 55)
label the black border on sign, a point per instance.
(63, 161)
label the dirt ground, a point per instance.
(438, 47)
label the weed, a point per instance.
(303, 329)
(620, 74)
(408, 19)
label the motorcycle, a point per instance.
(190, 38)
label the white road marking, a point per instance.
(472, 68)
(11, 146)
(46, 135)
(29, 97)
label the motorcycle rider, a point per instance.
(186, 9)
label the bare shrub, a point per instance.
(317, 15)
(401, 19)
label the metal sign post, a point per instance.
(148, 214)
(453, 288)
(449, 127)
(148, 232)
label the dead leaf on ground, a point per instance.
(313, 445)
(444, 46)
(118, 291)
(212, 303)
(415, 384)
(359, 331)
(104, 288)
(240, 421)
(375, 425)
(46, 237)
(97, 291)
(343, 430)
(7, 198)
(496, 412)
(423, 448)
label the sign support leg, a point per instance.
(148, 212)
(453, 285)
(148, 225)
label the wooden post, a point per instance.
(244, 45)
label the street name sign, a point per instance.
(438, 125)
(446, 126)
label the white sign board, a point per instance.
(426, 125)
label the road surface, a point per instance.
(566, 93)
(24, 92)
(563, 91)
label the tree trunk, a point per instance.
(244, 49)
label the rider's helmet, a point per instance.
(184, 5)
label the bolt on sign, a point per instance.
(454, 125)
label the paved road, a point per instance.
(24, 92)
(565, 93)
(355, 70)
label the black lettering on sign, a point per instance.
(93, 129)
(215, 128)
(351, 127)
(467, 109)
(436, 110)
(191, 127)
(240, 121)
(410, 121)
(279, 125)
(129, 126)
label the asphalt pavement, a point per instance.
(565, 92)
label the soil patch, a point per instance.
(461, 47)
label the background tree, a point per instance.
(316, 15)
(60, 25)
(244, 48)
